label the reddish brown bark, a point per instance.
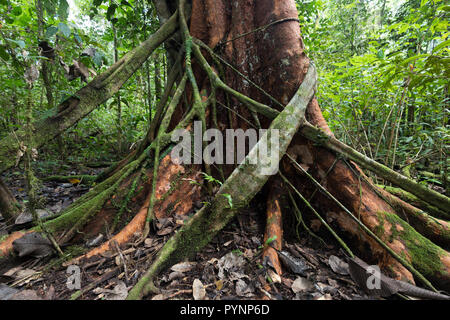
(274, 225)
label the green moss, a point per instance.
(3, 238)
(425, 255)
(379, 229)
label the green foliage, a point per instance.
(70, 31)
(383, 81)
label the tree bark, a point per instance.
(9, 207)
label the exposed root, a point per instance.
(416, 202)
(124, 236)
(173, 183)
(432, 228)
(274, 227)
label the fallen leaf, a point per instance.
(164, 231)
(274, 276)
(230, 262)
(26, 216)
(175, 275)
(120, 292)
(226, 244)
(96, 241)
(315, 225)
(293, 264)
(219, 284)
(183, 266)
(243, 289)
(301, 284)
(198, 290)
(24, 273)
(148, 242)
(25, 295)
(325, 297)
(338, 266)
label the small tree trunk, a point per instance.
(9, 207)
(157, 77)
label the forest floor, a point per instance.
(230, 267)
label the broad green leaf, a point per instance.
(441, 45)
(17, 11)
(77, 37)
(98, 58)
(50, 6)
(63, 9)
(51, 31)
(64, 29)
(20, 43)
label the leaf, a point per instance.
(120, 292)
(64, 29)
(6, 292)
(230, 200)
(20, 43)
(293, 264)
(338, 266)
(183, 266)
(50, 6)
(51, 31)
(17, 11)
(441, 46)
(98, 58)
(125, 3)
(270, 240)
(198, 290)
(33, 244)
(97, 2)
(301, 284)
(63, 9)
(77, 37)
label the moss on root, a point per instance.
(424, 255)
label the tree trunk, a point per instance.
(9, 207)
